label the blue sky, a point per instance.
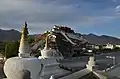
(84, 16)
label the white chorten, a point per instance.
(14, 65)
(91, 63)
(49, 52)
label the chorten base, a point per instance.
(24, 55)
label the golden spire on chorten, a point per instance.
(24, 50)
(25, 31)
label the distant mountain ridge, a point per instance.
(103, 39)
(9, 35)
(14, 35)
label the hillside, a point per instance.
(9, 35)
(103, 39)
(14, 35)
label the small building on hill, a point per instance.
(108, 46)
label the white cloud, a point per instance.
(118, 8)
(41, 16)
(114, 0)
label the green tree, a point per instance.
(31, 39)
(11, 49)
